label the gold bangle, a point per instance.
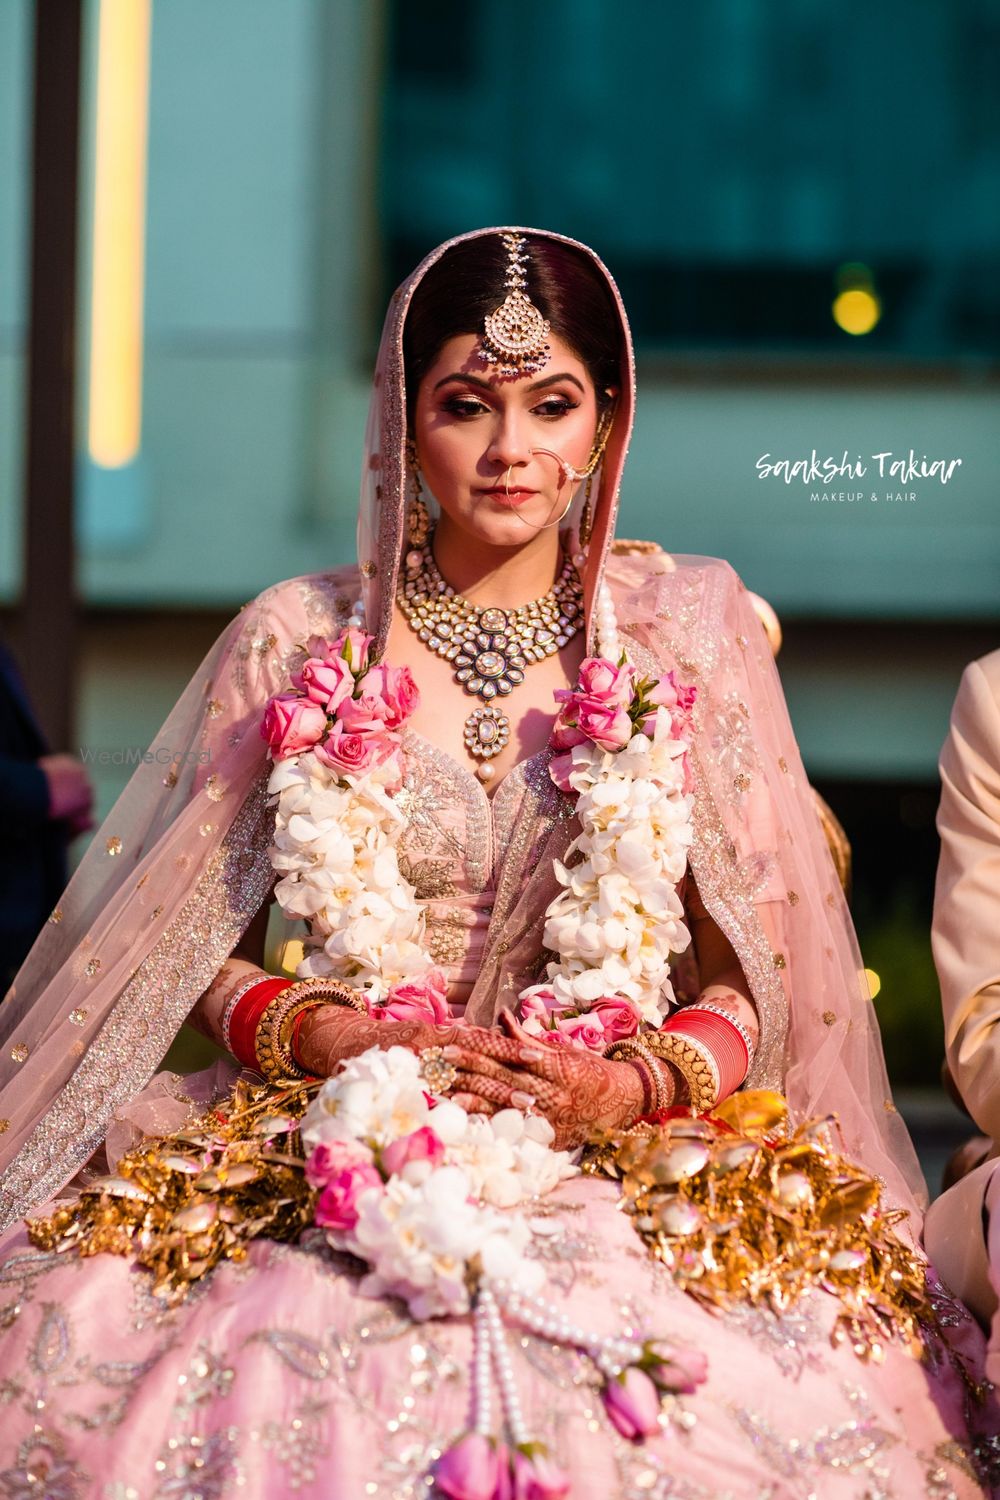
(635, 1047)
(695, 1064)
(272, 1040)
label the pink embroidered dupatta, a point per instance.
(180, 866)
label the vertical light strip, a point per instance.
(115, 389)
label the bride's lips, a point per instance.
(516, 495)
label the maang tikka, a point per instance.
(515, 333)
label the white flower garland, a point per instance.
(617, 920)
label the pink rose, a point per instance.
(474, 1468)
(617, 1016)
(536, 1007)
(559, 768)
(421, 999)
(632, 1402)
(582, 1031)
(536, 1477)
(364, 715)
(601, 679)
(291, 724)
(327, 683)
(351, 754)
(669, 693)
(397, 690)
(353, 645)
(327, 1160)
(557, 1038)
(679, 1370)
(607, 724)
(419, 1145)
(337, 1205)
(565, 735)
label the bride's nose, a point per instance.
(509, 444)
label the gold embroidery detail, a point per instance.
(214, 789)
(369, 568)
(214, 707)
(19, 1052)
(170, 780)
(205, 829)
(113, 844)
(792, 897)
(779, 960)
(782, 763)
(741, 782)
(78, 1016)
(829, 1017)
(4, 1126)
(741, 641)
(92, 967)
(56, 915)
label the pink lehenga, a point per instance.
(274, 1376)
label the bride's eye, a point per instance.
(464, 406)
(556, 406)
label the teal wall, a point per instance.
(299, 148)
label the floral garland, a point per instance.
(414, 1187)
(621, 744)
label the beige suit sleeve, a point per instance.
(966, 931)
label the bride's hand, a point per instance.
(331, 1033)
(578, 1092)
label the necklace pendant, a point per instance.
(486, 731)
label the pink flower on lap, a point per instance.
(583, 1031)
(474, 1469)
(423, 999)
(632, 1402)
(327, 1160)
(419, 1145)
(291, 724)
(617, 1016)
(337, 1205)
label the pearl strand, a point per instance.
(482, 1379)
(504, 1368)
(607, 626)
(610, 1354)
(356, 618)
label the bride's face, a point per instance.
(471, 426)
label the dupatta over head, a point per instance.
(180, 866)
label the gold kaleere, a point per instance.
(182, 1203)
(743, 1207)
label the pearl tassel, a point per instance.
(610, 1354)
(504, 1368)
(482, 1380)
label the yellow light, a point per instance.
(856, 310)
(115, 393)
(874, 983)
(291, 955)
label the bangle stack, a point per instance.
(658, 1086)
(277, 1025)
(261, 1020)
(710, 1050)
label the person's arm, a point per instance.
(721, 976)
(965, 936)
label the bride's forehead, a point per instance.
(461, 354)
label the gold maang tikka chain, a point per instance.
(490, 647)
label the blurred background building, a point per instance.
(801, 203)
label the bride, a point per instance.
(488, 579)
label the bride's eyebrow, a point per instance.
(537, 385)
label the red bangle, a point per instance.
(719, 1037)
(246, 1018)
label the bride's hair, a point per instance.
(467, 283)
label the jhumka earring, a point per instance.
(418, 521)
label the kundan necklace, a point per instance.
(490, 647)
